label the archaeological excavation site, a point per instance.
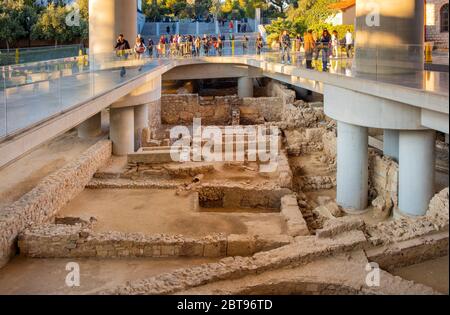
(245, 203)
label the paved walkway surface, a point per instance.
(33, 93)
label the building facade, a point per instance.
(436, 21)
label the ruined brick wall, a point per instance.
(154, 115)
(433, 28)
(42, 203)
(260, 110)
(383, 177)
(329, 140)
(183, 108)
(277, 89)
(66, 241)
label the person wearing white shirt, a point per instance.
(335, 44)
(349, 43)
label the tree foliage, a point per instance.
(16, 18)
(52, 23)
(306, 14)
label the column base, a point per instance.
(91, 128)
(122, 130)
(245, 87)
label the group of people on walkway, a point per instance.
(187, 45)
(328, 44)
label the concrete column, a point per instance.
(158, 29)
(389, 36)
(140, 122)
(122, 130)
(352, 167)
(417, 171)
(197, 28)
(126, 20)
(177, 29)
(390, 143)
(102, 33)
(91, 128)
(245, 87)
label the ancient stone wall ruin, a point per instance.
(42, 203)
(78, 241)
(183, 108)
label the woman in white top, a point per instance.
(335, 44)
(139, 48)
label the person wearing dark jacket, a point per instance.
(285, 45)
(121, 48)
(122, 44)
(325, 42)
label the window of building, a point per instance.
(444, 18)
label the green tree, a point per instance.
(13, 21)
(51, 25)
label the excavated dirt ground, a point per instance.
(47, 276)
(162, 211)
(434, 273)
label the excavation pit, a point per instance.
(153, 211)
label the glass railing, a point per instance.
(35, 54)
(33, 92)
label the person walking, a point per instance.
(335, 44)
(325, 42)
(285, 43)
(205, 43)
(139, 48)
(349, 44)
(122, 47)
(259, 44)
(245, 45)
(197, 45)
(310, 44)
(219, 46)
(162, 47)
(150, 47)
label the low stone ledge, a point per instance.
(78, 241)
(285, 178)
(103, 183)
(409, 252)
(337, 226)
(295, 254)
(42, 203)
(296, 224)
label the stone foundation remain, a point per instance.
(78, 241)
(42, 203)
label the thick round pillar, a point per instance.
(90, 128)
(389, 36)
(122, 130)
(390, 143)
(416, 171)
(102, 20)
(245, 87)
(352, 167)
(126, 20)
(140, 122)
